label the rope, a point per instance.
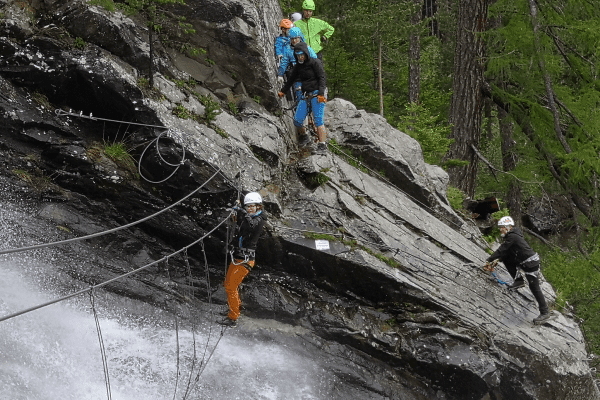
(93, 287)
(62, 113)
(178, 165)
(102, 348)
(93, 235)
(177, 339)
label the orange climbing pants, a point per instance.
(235, 275)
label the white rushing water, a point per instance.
(54, 352)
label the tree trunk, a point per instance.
(509, 163)
(380, 79)
(414, 56)
(487, 106)
(467, 100)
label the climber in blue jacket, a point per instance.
(282, 42)
(288, 60)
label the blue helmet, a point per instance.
(295, 32)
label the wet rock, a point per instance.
(548, 214)
(395, 290)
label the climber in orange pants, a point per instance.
(250, 220)
(236, 273)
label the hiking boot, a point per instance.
(303, 140)
(227, 322)
(321, 148)
(518, 284)
(543, 317)
(224, 313)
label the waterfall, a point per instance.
(54, 352)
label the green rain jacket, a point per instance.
(312, 29)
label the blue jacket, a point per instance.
(288, 60)
(281, 43)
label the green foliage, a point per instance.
(41, 99)
(319, 236)
(79, 43)
(182, 112)
(455, 198)
(502, 213)
(220, 131)
(318, 179)
(211, 107)
(120, 155)
(257, 99)
(233, 108)
(108, 5)
(421, 125)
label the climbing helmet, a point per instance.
(295, 17)
(506, 221)
(252, 198)
(285, 23)
(308, 5)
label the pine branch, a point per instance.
(557, 39)
(490, 166)
(547, 81)
(522, 119)
(573, 117)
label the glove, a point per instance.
(321, 99)
(280, 80)
(280, 94)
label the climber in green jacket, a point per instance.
(313, 28)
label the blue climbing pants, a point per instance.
(302, 110)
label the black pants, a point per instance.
(534, 286)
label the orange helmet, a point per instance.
(285, 23)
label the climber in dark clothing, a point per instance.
(516, 254)
(309, 71)
(251, 220)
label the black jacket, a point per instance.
(310, 73)
(250, 229)
(514, 250)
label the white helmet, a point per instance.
(506, 221)
(295, 17)
(252, 198)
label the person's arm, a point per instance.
(320, 74)
(278, 46)
(325, 29)
(500, 254)
(291, 79)
(284, 64)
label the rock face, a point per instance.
(397, 284)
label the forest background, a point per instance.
(502, 94)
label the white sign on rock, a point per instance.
(322, 244)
